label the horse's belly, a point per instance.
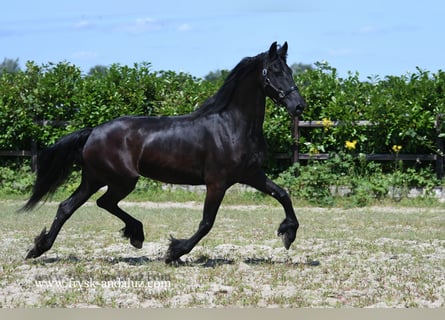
(169, 175)
(171, 168)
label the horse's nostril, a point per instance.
(299, 110)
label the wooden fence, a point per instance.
(438, 157)
(296, 155)
(23, 153)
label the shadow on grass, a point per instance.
(207, 262)
(201, 261)
(134, 261)
(267, 261)
(69, 259)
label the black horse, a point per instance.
(218, 145)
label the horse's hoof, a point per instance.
(286, 240)
(136, 243)
(31, 254)
(175, 263)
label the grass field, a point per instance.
(361, 257)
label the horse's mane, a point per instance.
(222, 97)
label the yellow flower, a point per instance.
(327, 123)
(350, 145)
(396, 148)
(313, 150)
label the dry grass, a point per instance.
(367, 257)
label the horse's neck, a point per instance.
(250, 104)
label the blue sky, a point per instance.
(376, 37)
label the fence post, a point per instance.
(440, 147)
(296, 136)
(33, 155)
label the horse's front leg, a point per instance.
(179, 247)
(288, 228)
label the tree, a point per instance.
(98, 70)
(298, 68)
(9, 65)
(216, 75)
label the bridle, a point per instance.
(281, 94)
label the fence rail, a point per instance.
(438, 158)
(296, 155)
(15, 153)
(369, 157)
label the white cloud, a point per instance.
(83, 24)
(141, 25)
(184, 27)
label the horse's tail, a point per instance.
(55, 163)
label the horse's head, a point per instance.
(279, 83)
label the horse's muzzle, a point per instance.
(298, 109)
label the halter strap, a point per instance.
(281, 93)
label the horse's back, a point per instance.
(183, 150)
(162, 148)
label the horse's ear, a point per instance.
(273, 51)
(283, 50)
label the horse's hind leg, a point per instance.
(45, 240)
(133, 228)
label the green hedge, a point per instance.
(403, 109)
